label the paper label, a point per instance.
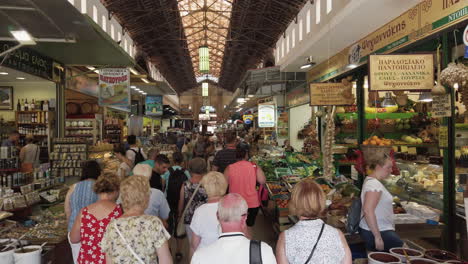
(441, 106)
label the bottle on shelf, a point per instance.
(26, 105)
(45, 107)
(22, 105)
(32, 106)
(18, 105)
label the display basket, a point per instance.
(370, 151)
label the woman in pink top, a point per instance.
(243, 177)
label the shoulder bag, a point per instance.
(180, 231)
(140, 261)
(255, 252)
(313, 249)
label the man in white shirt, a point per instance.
(134, 149)
(232, 246)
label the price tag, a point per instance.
(404, 149)
(412, 151)
(443, 137)
(395, 148)
(441, 106)
(457, 153)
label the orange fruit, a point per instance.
(365, 143)
(373, 142)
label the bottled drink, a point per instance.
(22, 104)
(32, 106)
(46, 106)
(18, 105)
(26, 105)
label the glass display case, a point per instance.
(418, 182)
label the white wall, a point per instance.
(298, 116)
(28, 90)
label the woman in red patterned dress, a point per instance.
(90, 224)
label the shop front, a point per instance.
(378, 95)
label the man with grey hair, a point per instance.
(232, 246)
(157, 205)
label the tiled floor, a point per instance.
(263, 230)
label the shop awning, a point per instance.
(58, 22)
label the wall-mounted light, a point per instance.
(23, 37)
(132, 70)
(425, 97)
(308, 64)
(145, 80)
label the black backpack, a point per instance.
(176, 180)
(138, 156)
(354, 216)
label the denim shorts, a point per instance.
(389, 237)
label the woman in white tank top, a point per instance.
(311, 240)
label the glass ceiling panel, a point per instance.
(206, 22)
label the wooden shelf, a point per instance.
(79, 128)
(33, 124)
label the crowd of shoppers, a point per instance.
(131, 215)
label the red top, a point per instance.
(242, 180)
(92, 231)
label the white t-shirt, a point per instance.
(384, 209)
(124, 168)
(231, 248)
(205, 224)
(131, 154)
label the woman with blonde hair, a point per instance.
(91, 222)
(205, 225)
(377, 227)
(136, 237)
(311, 240)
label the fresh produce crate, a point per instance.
(282, 171)
(299, 171)
(276, 190)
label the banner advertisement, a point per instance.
(330, 94)
(423, 20)
(401, 72)
(247, 119)
(266, 115)
(154, 105)
(114, 87)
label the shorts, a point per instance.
(252, 215)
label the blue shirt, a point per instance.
(165, 176)
(158, 205)
(82, 196)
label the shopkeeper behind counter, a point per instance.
(29, 155)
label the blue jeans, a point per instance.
(390, 239)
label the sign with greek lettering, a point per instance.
(441, 106)
(26, 60)
(331, 94)
(401, 72)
